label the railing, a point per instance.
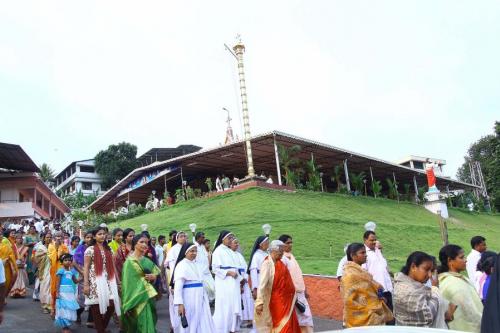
(13, 209)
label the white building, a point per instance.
(418, 162)
(79, 176)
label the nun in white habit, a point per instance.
(172, 255)
(259, 253)
(227, 314)
(190, 298)
(246, 295)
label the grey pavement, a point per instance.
(25, 316)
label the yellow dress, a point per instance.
(9, 261)
(54, 254)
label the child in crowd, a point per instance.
(66, 303)
(486, 266)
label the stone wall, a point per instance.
(324, 296)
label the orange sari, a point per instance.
(54, 254)
(9, 260)
(282, 302)
(362, 304)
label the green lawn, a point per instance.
(318, 220)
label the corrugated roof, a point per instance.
(13, 157)
(231, 159)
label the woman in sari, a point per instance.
(138, 292)
(43, 262)
(362, 295)
(458, 290)
(55, 250)
(30, 240)
(9, 261)
(123, 251)
(19, 287)
(78, 262)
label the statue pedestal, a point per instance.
(434, 203)
(248, 179)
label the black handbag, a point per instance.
(300, 306)
(184, 322)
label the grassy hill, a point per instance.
(318, 220)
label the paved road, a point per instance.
(25, 316)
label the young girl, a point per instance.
(66, 304)
(99, 285)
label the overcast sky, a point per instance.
(383, 78)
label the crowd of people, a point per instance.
(425, 293)
(120, 275)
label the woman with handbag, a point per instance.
(138, 293)
(364, 304)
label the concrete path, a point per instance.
(25, 316)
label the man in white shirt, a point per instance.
(39, 226)
(376, 265)
(342, 262)
(478, 245)
(204, 265)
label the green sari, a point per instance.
(138, 296)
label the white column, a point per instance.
(416, 188)
(346, 171)
(371, 175)
(277, 158)
(395, 185)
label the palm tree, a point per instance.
(288, 160)
(337, 173)
(46, 173)
(314, 182)
(376, 188)
(393, 189)
(357, 181)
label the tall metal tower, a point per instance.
(477, 178)
(239, 49)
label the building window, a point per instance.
(86, 186)
(418, 165)
(87, 168)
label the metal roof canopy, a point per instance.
(231, 160)
(163, 154)
(13, 157)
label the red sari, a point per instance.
(282, 300)
(119, 258)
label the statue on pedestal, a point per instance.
(431, 177)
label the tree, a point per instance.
(289, 160)
(407, 196)
(313, 177)
(46, 173)
(337, 174)
(209, 184)
(78, 200)
(357, 181)
(115, 163)
(487, 152)
(393, 189)
(376, 188)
